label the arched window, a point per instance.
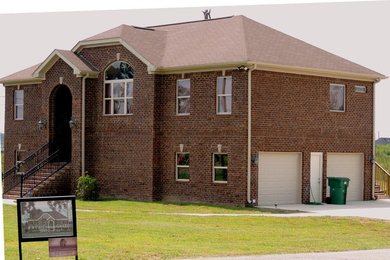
(118, 89)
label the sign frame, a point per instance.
(22, 201)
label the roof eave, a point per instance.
(199, 68)
(17, 82)
(318, 72)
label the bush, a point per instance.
(88, 188)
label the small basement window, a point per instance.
(220, 167)
(182, 166)
(360, 89)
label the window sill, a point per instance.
(219, 114)
(118, 114)
(182, 180)
(220, 182)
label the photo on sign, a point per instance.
(62, 246)
(50, 218)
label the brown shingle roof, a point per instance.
(22, 75)
(229, 40)
(226, 40)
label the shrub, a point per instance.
(87, 188)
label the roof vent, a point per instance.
(207, 14)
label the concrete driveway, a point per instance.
(378, 209)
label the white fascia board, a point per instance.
(52, 59)
(111, 42)
(30, 81)
(318, 72)
(200, 68)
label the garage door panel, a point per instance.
(279, 178)
(348, 165)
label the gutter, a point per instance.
(249, 132)
(373, 141)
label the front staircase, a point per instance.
(40, 174)
(382, 182)
(43, 184)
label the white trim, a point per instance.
(344, 96)
(224, 95)
(40, 72)
(317, 72)
(110, 42)
(181, 166)
(182, 97)
(219, 167)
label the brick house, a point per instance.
(225, 111)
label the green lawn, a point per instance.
(119, 229)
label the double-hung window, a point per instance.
(183, 97)
(220, 167)
(18, 104)
(182, 166)
(337, 97)
(224, 95)
(118, 89)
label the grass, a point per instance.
(119, 229)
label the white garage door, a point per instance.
(279, 178)
(348, 165)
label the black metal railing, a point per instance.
(11, 178)
(41, 172)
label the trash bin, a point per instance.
(338, 189)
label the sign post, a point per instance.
(50, 219)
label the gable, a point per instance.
(80, 67)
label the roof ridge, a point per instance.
(195, 21)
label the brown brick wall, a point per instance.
(133, 156)
(119, 148)
(200, 133)
(290, 113)
(22, 131)
(36, 107)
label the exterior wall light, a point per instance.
(72, 122)
(242, 67)
(42, 124)
(372, 159)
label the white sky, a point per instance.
(357, 31)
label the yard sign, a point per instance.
(44, 218)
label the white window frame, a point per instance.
(16, 105)
(224, 95)
(220, 167)
(344, 89)
(181, 166)
(112, 98)
(177, 97)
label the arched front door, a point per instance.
(60, 114)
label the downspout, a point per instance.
(249, 133)
(373, 140)
(83, 125)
